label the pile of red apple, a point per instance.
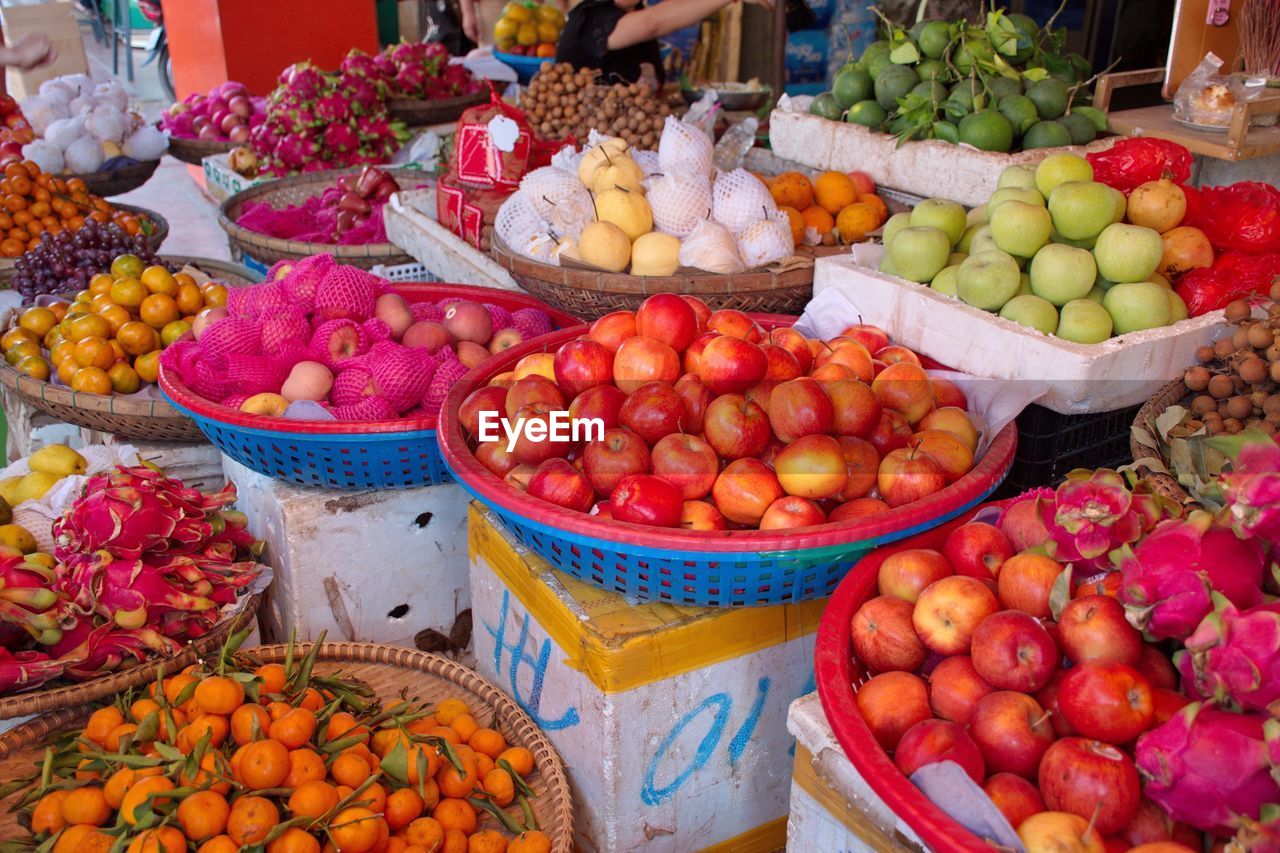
(969, 664)
(713, 423)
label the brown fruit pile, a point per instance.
(561, 101)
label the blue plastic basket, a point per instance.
(525, 66)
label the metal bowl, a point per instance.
(730, 99)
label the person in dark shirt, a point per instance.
(618, 36)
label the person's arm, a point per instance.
(470, 21)
(30, 51)
(654, 22)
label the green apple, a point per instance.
(1020, 228)
(919, 252)
(1096, 295)
(956, 258)
(1060, 168)
(1128, 253)
(945, 281)
(1017, 176)
(946, 216)
(1135, 306)
(967, 240)
(1061, 273)
(1032, 311)
(1024, 194)
(982, 241)
(1084, 322)
(988, 280)
(1156, 278)
(886, 265)
(1122, 205)
(1024, 284)
(1081, 209)
(1055, 237)
(893, 225)
(1177, 308)
(976, 216)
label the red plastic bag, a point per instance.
(1242, 217)
(478, 161)
(1131, 162)
(1232, 275)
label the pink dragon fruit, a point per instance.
(127, 592)
(1251, 489)
(1094, 513)
(96, 650)
(27, 670)
(1233, 657)
(1259, 836)
(1208, 767)
(341, 137)
(28, 601)
(530, 322)
(332, 108)
(346, 293)
(303, 80)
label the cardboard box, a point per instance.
(58, 22)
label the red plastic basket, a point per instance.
(839, 675)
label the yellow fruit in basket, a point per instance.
(13, 336)
(38, 321)
(66, 369)
(101, 283)
(94, 352)
(17, 536)
(100, 303)
(549, 14)
(505, 29)
(33, 486)
(158, 310)
(9, 488)
(148, 366)
(517, 12)
(128, 292)
(85, 326)
(527, 34)
(215, 295)
(124, 379)
(127, 266)
(189, 298)
(272, 405)
(855, 220)
(116, 316)
(21, 350)
(35, 367)
(627, 210)
(54, 337)
(58, 459)
(157, 279)
(137, 338)
(655, 254)
(173, 330)
(539, 363)
(91, 380)
(605, 245)
(548, 31)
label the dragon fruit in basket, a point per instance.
(1233, 657)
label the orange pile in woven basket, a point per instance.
(838, 206)
(32, 202)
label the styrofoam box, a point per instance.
(671, 720)
(832, 807)
(410, 218)
(1077, 378)
(197, 464)
(221, 181)
(930, 168)
(374, 566)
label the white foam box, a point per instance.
(197, 464)
(832, 806)
(671, 720)
(1077, 378)
(221, 181)
(410, 218)
(930, 168)
(384, 566)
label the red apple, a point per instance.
(905, 574)
(1091, 779)
(812, 467)
(955, 421)
(494, 456)
(857, 410)
(864, 184)
(646, 499)
(947, 394)
(955, 687)
(884, 639)
(782, 365)
(906, 475)
(487, 399)
(951, 454)
(640, 360)
(1155, 667)
(652, 411)
(832, 373)
(1021, 522)
(602, 403)
(693, 353)
(1015, 797)
(505, 339)
(891, 432)
(619, 453)
(700, 515)
(800, 407)
(1152, 825)
(895, 354)
(1012, 651)
(612, 329)
(770, 453)
(1093, 627)
(847, 352)
(862, 465)
(1012, 731)
(687, 461)
(697, 397)
(905, 388)
(761, 393)
(871, 337)
(792, 511)
(744, 490)
(1048, 699)
(977, 549)
(601, 510)
(583, 364)
(532, 389)
(794, 343)
(557, 481)
(1026, 581)
(931, 741)
(736, 427)
(858, 508)
(701, 310)
(1107, 701)
(731, 365)
(519, 476)
(1055, 832)
(1165, 703)
(948, 611)
(668, 318)
(533, 443)
(735, 324)
(891, 703)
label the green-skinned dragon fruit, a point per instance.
(1251, 489)
(1233, 657)
(1094, 513)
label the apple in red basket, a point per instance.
(1012, 730)
(955, 687)
(1012, 651)
(947, 394)
(735, 324)
(862, 465)
(858, 508)
(812, 467)
(1048, 699)
(977, 549)
(884, 638)
(1026, 583)
(731, 365)
(953, 457)
(905, 574)
(519, 476)
(700, 515)
(931, 741)
(582, 364)
(696, 398)
(794, 343)
(1091, 779)
(1156, 668)
(1107, 701)
(904, 387)
(800, 407)
(692, 358)
(761, 393)
(647, 499)
(701, 310)
(640, 360)
(895, 354)
(792, 511)
(782, 365)
(1051, 831)
(857, 410)
(948, 611)
(871, 337)
(891, 703)
(652, 411)
(848, 353)
(668, 318)
(744, 490)
(532, 389)
(906, 475)
(737, 428)
(955, 421)
(424, 335)
(1165, 703)
(1021, 522)
(1015, 797)
(490, 398)
(495, 457)
(612, 329)
(505, 339)
(533, 443)
(619, 453)
(828, 373)
(602, 403)
(689, 462)
(557, 481)
(1152, 825)
(1093, 627)
(891, 432)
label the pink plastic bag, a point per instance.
(1242, 217)
(1131, 162)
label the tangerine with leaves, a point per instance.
(313, 799)
(295, 728)
(164, 839)
(248, 723)
(203, 815)
(355, 830)
(305, 765)
(271, 679)
(530, 841)
(252, 819)
(403, 808)
(86, 805)
(219, 694)
(454, 813)
(140, 793)
(47, 816)
(294, 840)
(219, 844)
(264, 764)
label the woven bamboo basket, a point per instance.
(420, 113)
(391, 672)
(193, 151)
(157, 237)
(118, 181)
(65, 694)
(296, 190)
(1161, 483)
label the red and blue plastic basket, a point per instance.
(838, 675)
(393, 454)
(698, 568)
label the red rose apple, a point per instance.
(849, 354)
(857, 409)
(931, 741)
(951, 454)
(1026, 582)
(782, 365)
(700, 310)
(731, 365)
(800, 407)
(700, 515)
(904, 387)
(891, 432)
(1155, 667)
(1091, 779)
(907, 475)
(602, 403)
(533, 444)
(955, 421)
(1048, 699)
(884, 639)
(582, 364)
(792, 511)
(858, 508)
(891, 703)
(646, 499)
(693, 353)
(862, 467)
(795, 343)
(1106, 701)
(490, 398)
(613, 328)
(812, 467)
(532, 389)
(896, 354)
(495, 457)
(871, 337)
(947, 394)
(697, 397)
(735, 324)
(1012, 651)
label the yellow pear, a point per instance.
(605, 245)
(655, 254)
(58, 459)
(272, 405)
(17, 536)
(621, 172)
(567, 249)
(8, 487)
(625, 209)
(593, 157)
(33, 486)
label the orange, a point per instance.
(148, 366)
(455, 841)
(101, 722)
(433, 761)
(450, 708)
(59, 310)
(530, 841)
(128, 292)
(375, 798)
(47, 816)
(190, 302)
(294, 840)
(425, 832)
(243, 720)
(101, 283)
(157, 279)
(165, 839)
(251, 819)
(208, 776)
(488, 742)
(818, 219)
(84, 774)
(313, 799)
(124, 379)
(483, 764)
(520, 759)
(93, 351)
(500, 786)
(271, 677)
(833, 192)
(96, 842)
(797, 223)
(487, 841)
(171, 331)
(85, 325)
(111, 742)
(101, 303)
(17, 336)
(118, 785)
(71, 838)
(35, 367)
(875, 203)
(157, 310)
(219, 844)
(446, 733)
(203, 815)
(116, 317)
(792, 189)
(420, 725)
(312, 700)
(305, 765)
(458, 784)
(219, 694)
(138, 338)
(175, 686)
(355, 830)
(38, 321)
(403, 808)
(215, 295)
(295, 728)
(265, 764)
(455, 814)
(855, 221)
(138, 794)
(465, 725)
(86, 805)
(278, 709)
(384, 740)
(341, 725)
(140, 709)
(349, 768)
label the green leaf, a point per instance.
(1060, 592)
(904, 54)
(946, 131)
(1095, 115)
(1002, 33)
(396, 763)
(1035, 74)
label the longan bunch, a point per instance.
(561, 100)
(1237, 383)
(553, 99)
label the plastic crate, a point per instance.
(1052, 444)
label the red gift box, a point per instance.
(467, 211)
(478, 160)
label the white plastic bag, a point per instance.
(712, 248)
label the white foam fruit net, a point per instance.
(571, 214)
(548, 186)
(517, 222)
(684, 149)
(712, 248)
(739, 198)
(679, 203)
(648, 162)
(764, 242)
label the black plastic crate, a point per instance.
(1051, 444)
